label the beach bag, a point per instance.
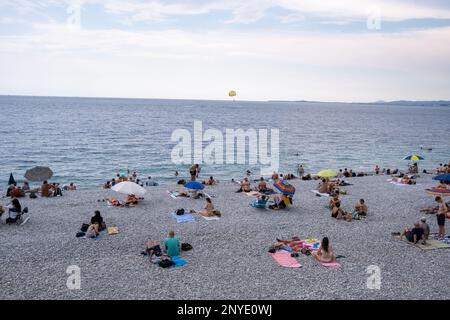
(186, 247)
(181, 182)
(166, 263)
(80, 234)
(180, 212)
(33, 195)
(84, 227)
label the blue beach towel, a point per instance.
(187, 217)
(178, 262)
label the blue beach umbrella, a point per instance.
(443, 177)
(194, 185)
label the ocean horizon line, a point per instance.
(440, 102)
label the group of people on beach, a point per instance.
(46, 190)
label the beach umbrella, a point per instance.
(328, 173)
(443, 177)
(128, 187)
(414, 157)
(194, 185)
(11, 179)
(284, 187)
(439, 192)
(39, 174)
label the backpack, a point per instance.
(84, 227)
(180, 212)
(166, 263)
(186, 247)
(80, 234)
(33, 195)
(181, 182)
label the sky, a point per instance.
(321, 50)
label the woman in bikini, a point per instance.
(325, 253)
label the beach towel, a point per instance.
(178, 262)
(209, 195)
(187, 217)
(174, 195)
(253, 193)
(431, 244)
(332, 264)
(320, 194)
(210, 218)
(113, 230)
(284, 259)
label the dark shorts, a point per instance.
(441, 220)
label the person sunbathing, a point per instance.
(334, 200)
(281, 203)
(323, 186)
(260, 201)
(113, 202)
(360, 210)
(245, 186)
(152, 250)
(413, 235)
(338, 213)
(208, 209)
(325, 253)
(132, 200)
(210, 181)
(93, 231)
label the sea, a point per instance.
(89, 140)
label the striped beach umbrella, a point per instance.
(439, 192)
(414, 157)
(284, 187)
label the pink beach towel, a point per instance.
(284, 259)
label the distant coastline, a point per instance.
(430, 103)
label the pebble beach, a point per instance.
(229, 259)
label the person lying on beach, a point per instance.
(98, 219)
(339, 214)
(208, 209)
(113, 202)
(245, 186)
(172, 245)
(325, 253)
(132, 200)
(360, 210)
(281, 203)
(151, 250)
(210, 181)
(413, 235)
(93, 231)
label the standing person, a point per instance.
(300, 170)
(172, 245)
(441, 216)
(377, 170)
(194, 171)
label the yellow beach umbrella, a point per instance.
(328, 173)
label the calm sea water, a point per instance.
(88, 141)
